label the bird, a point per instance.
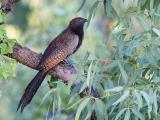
(64, 45)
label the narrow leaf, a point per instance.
(115, 89)
(114, 13)
(123, 72)
(100, 110)
(81, 107)
(122, 98)
(120, 114)
(155, 30)
(46, 95)
(139, 100)
(89, 74)
(76, 103)
(143, 22)
(82, 4)
(147, 99)
(127, 115)
(83, 87)
(92, 11)
(138, 114)
(155, 102)
(107, 6)
(88, 115)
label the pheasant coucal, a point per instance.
(65, 44)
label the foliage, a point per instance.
(131, 88)
(7, 66)
(123, 67)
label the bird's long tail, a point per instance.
(31, 89)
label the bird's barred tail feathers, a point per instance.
(31, 89)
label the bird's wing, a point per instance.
(58, 51)
(51, 47)
(54, 58)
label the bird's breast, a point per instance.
(73, 43)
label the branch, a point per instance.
(25, 56)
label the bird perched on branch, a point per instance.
(65, 44)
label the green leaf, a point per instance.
(151, 4)
(127, 115)
(46, 95)
(63, 92)
(73, 98)
(7, 67)
(2, 32)
(7, 46)
(3, 48)
(143, 22)
(83, 87)
(2, 17)
(138, 114)
(109, 9)
(122, 98)
(81, 107)
(157, 14)
(155, 30)
(147, 99)
(155, 102)
(111, 66)
(120, 113)
(89, 75)
(107, 6)
(139, 100)
(75, 104)
(100, 109)
(92, 11)
(114, 13)
(115, 89)
(141, 5)
(52, 82)
(123, 72)
(111, 101)
(3, 36)
(5, 74)
(82, 4)
(88, 115)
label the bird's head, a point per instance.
(77, 23)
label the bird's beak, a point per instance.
(85, 20)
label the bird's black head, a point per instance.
(77, 23)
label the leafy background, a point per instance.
(119, 58)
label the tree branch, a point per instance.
(25, 56)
